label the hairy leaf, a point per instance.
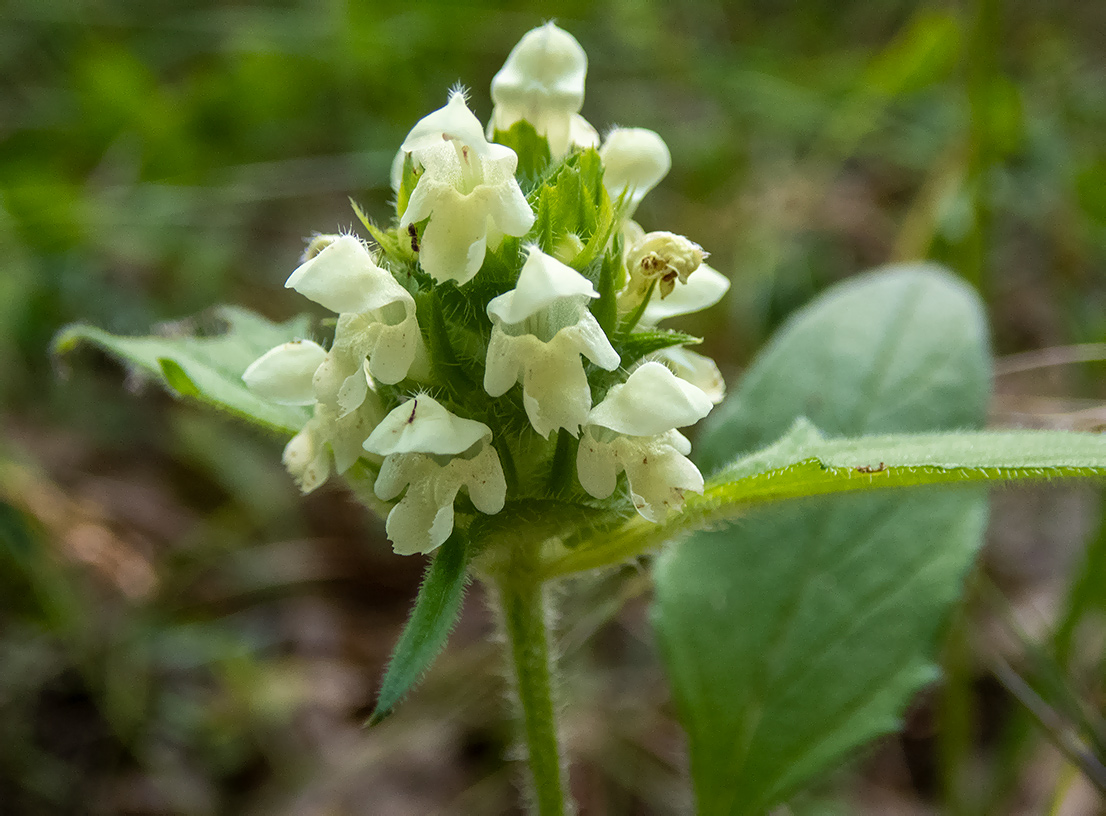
(424, 637)
(800, 632)
(207, 368)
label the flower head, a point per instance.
(564, 319)
(433, 453)
(540, 330)
(467, 190)
(542, 82)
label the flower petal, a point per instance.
(344, 278)
(596, 466)
(652, 401)
(542, 281)
(422, 425)
(704, 288)
(634, 162)
(454, 122)
(542, 82)
(284, 374)
(698, 369)
(306, 459)
(658, 476)
(455, 239)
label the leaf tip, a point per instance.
(378, 716)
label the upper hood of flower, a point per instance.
(542, 281)
(454, 122)
(546, 69)
(344, 278)
(284, 374)
(634, 162)
(652, 401)
(422, 425)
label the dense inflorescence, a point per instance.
(500, 342)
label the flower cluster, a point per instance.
(502, 337)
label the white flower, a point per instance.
(540, 329)
(467, 190)
(433, 453)
(542, 82)
(284, 374)
(697, 369)
(634, 162)
(328, 437)
(633, 429)
(376, 319)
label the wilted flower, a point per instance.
(663, 258)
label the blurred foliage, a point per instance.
(179, 632)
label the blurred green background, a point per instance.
(181, 633)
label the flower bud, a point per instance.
(634, 162)
(542, 82)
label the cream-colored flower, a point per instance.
(634, 430)
(376, 319)
(467, 189)
(634, 162)
(542, 82)
(697, 369)
(540, 329)
(702, 290)
(329, 438)
(287, 375)
(433, 453)
(284, 374)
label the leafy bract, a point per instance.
(801, 631)
(424, 637)
(206, 368)
(805, 464)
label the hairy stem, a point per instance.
(522, 597)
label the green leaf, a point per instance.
(424, 637)
(409, 178)
(800, 633)
(804, 464)
(632, 347)
(900, 350)
(205, 368)
(400, 248)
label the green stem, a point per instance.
(523, 600)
